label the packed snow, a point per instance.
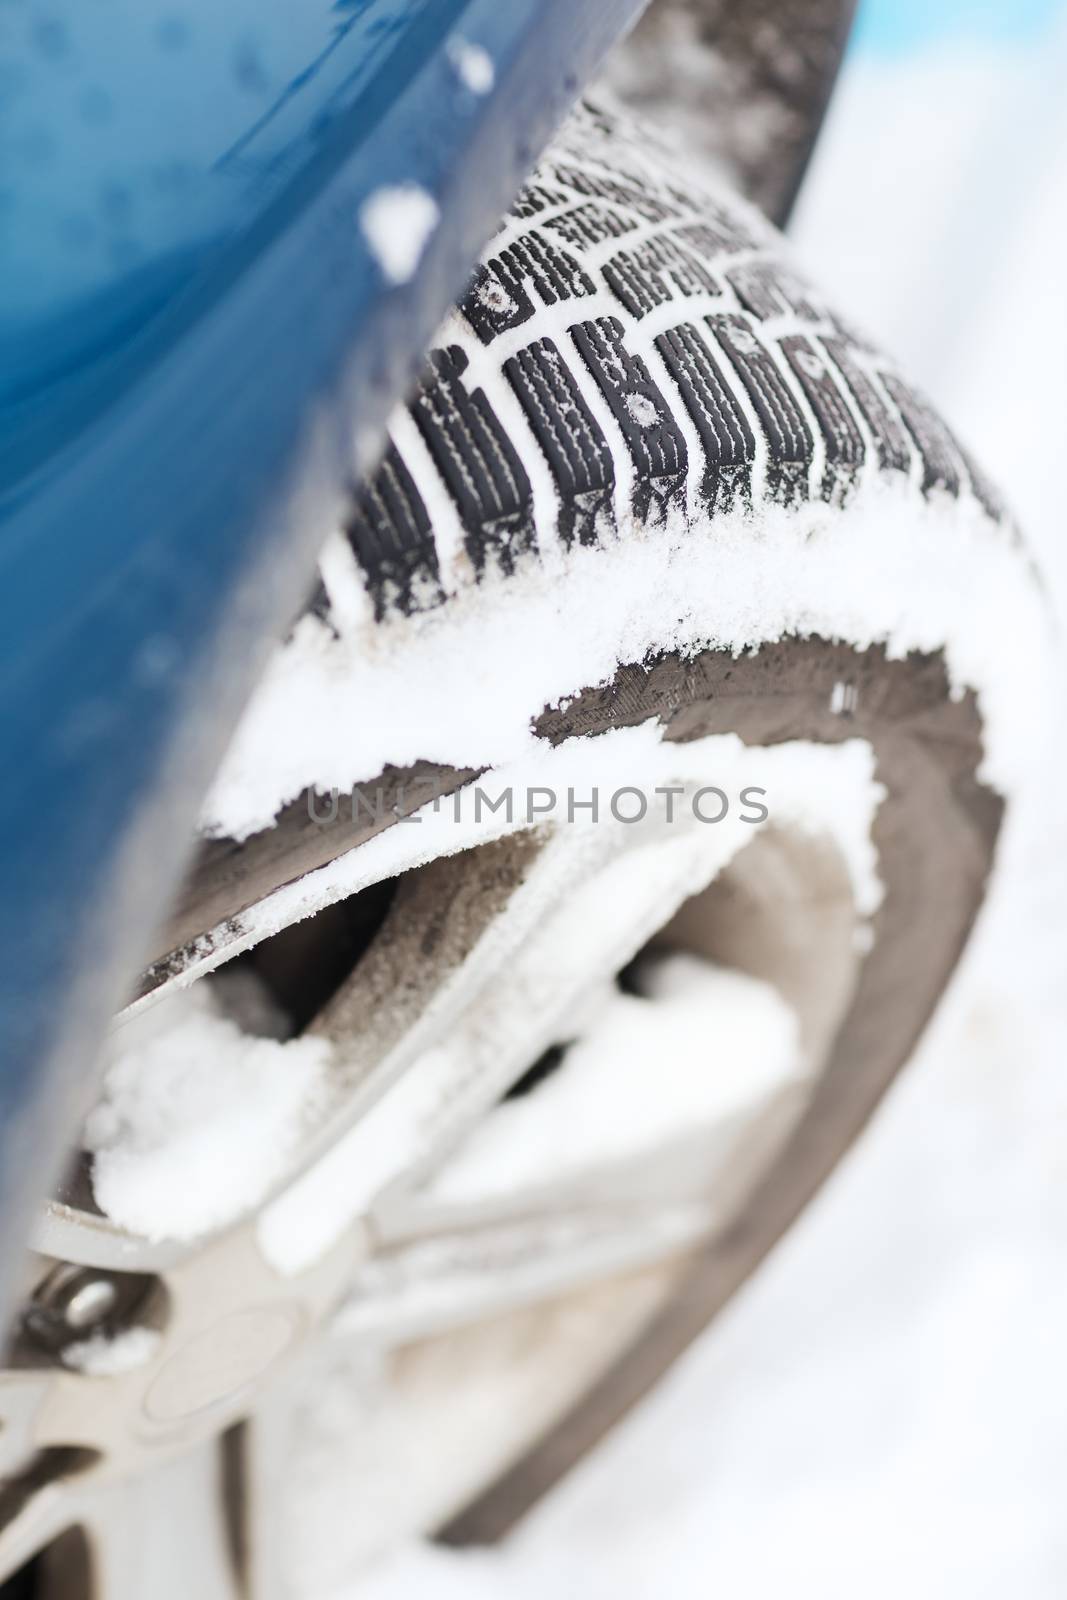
(842, 574)
(197, 1118)
(105, 1355)
(698, 1045)
(473, 64)
(397, 221)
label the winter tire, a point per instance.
(655, 520)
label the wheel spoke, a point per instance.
(429, 1286)
(388, 1230)
(22, 1396)
(166, 1532)
(609, 911)
(708, 1165)
(587, 893)
(37, 1504)
(367, 1446)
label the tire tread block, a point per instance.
(791, 446)
(654, 441)
(570, 437)
(477, 461)
(391, 536)
(725, 435)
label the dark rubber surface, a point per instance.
(652, 305)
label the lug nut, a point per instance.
(89, 1303)
(73, 1302)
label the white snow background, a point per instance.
(884, 1410)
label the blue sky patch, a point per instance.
(897, 27)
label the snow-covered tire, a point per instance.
(652, 506)
(638, 375)
(636, 353)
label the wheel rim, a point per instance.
(408, 1273)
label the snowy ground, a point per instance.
(884, 1410)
